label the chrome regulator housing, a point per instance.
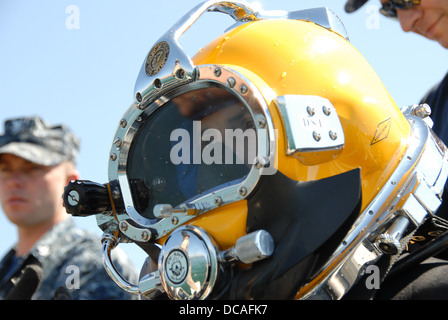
(190, 262)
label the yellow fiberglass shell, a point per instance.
(295, 57)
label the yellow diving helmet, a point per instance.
(273, 164)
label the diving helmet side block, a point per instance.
(190, 262)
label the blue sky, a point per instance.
(84, 77)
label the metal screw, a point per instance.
(123, 226)
(310, 110)
(326, 110)
(145, 235)
(123, 123)
(113, 157)
(217, 71)
(142, 106)
(138, 96)
(243, 89)
(174, 220)
(231, 82)
(261, 123)
(333, 135)
(117, 142)
(243, 191)
(218, 201)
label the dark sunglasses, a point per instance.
(389, 9)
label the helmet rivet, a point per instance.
(243, 191)
(123, 226)
(123, 123)
(113, 157)
(138, 96)
(218, 201)
(310, 111)
(243, 89)
(333, 135)
(174, 220)
(231, 82)
(261, 123)
(316, 136)
(326, 110)
(117, 142)
(217, 71)
(144, 235)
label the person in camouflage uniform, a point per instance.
(53, 259)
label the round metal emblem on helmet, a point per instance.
(176, 266)
(157, 58)
(188, 264)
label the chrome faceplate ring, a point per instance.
(206, 75)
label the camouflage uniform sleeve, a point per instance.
(86, 278)
(72, 261)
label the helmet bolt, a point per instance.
(218, 201)
(333, 135)
(217, 71)
(123, 226)
(310, 110)
(243, 191)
